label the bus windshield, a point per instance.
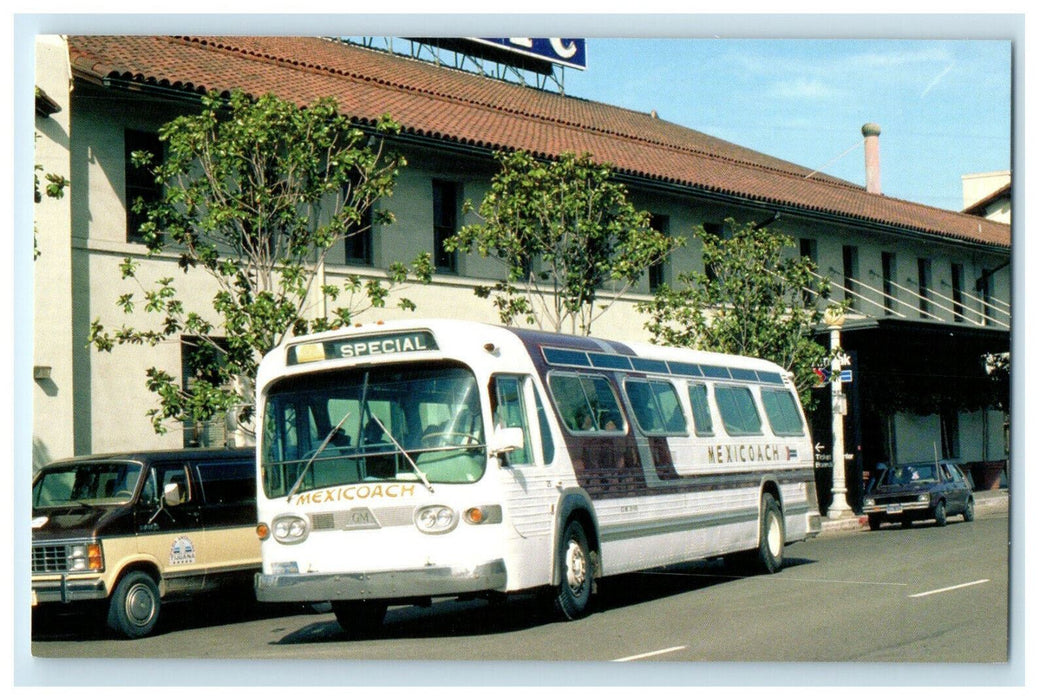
(86, 483)
(373, 424)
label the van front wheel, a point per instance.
(134, 607)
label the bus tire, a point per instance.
(770, 554)
(134, 607)
(359, 619)
(574, 592)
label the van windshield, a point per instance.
(86, 483)
(374, 424)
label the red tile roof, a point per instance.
(456, 106)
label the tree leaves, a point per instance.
(752, 299)
(256, 193)
(564, 232)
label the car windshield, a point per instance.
(905, 474)
(396, 423)
(86, 483)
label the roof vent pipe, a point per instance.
(871, 158)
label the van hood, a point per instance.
(76, 521)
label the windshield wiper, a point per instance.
(315, 454)
(413, 464)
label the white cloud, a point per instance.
(805, 88)
(936, 79)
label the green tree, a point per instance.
(751, 300)
(564, 232)
(256, 194)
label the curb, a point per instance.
(985, 501)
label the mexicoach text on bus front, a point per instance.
(388, 344)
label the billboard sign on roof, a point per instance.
(566, 52)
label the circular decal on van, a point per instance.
(183, 551)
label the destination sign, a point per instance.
(386, 344)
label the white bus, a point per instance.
(406, 461)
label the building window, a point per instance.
(925, 276)
(139, 183)
(986, 287)
(808, 250)
(445, 208)
(203, 359)
(850, 274)
(658, 271)
(359, 243)
(957, 305)
(889, 262)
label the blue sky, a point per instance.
(944, 106)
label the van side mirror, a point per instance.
(505, 440)
(172, 494)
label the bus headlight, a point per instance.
(435, 520)
(290, 529)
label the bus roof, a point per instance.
(552, 349)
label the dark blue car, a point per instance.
(904, 493)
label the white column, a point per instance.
(839, 507)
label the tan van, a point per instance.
(140, 528)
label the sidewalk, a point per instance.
(994, 501)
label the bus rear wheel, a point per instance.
(574, 592)
(770, 554)
(359, 618)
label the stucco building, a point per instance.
(930, 289)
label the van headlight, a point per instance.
(435, 520)
(85, 557)
(290, 529)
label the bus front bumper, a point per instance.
(379, 585)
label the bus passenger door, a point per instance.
(527, 476)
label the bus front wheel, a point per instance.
(359, 618)
(574, 592)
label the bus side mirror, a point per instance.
(505, 440)
(172, 495)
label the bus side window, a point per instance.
(586, 403)
(699, 405)
(782, 412)
(604, 404)
(510, 411)
(737, 409)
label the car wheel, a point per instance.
(940, 514)
(967, 513)
(134, 607)
(770, 555)
(574, 592)
(359, 619)
(875, 521)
